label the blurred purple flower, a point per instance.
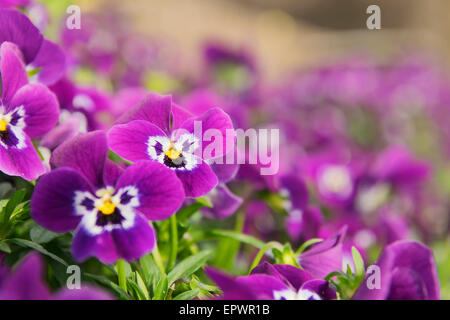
(36, 52)
(26, 283)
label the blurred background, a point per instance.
(287, 34)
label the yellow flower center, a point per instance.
(107, 208)
(3, 125)
(172, 153)
(104, 204)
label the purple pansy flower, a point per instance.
(26, 283)
(407, 272)
(37, 52)
(27, 111)
(158, 130)
(273, 282)
(109, 207)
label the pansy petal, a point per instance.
(133, 243)
(15, 27)
(154, 108)
(52, 63)
(130, 141)
(198, 181)
(325, 256)
(112, 172)
(86, 153)
(224, 172)
(406, 284)
(224, 202)
(419, 258)
(26, 281)
(213, 124)
(41, 108)
(232, 290)
(320, 287)
(160, 191)
(24, 162)
(264, 285)
(12, 72)
(52, 203)
(179, 116)
(418, 278)
(290, 275)
(110, 245)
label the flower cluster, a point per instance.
(123, 170)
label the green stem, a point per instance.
(173, 242)
(268, 246)
(121, 274)
(307, 244)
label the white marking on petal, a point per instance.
(187, 155)
(17, 128)
(289, 294)
(153, 142)
(127, 211)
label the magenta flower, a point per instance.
(109, 207)
(158, 130)
(27, 111)
(36, 52)
(26, 283)
(273, 282)
(407, 272)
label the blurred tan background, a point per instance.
(290, 34)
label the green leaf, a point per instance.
(288, 256)
(41, 235)
(37, 247)
(269, 246)
(105, 281)
(150, 270)
(4, 247)
(188, 295)
(11, 205)
(236, 236)
(141, 284)
(359, 263)
(186, 212)
(135, 287)
(306, 244)
(188, 266)
(161, 288)
(204, 201)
